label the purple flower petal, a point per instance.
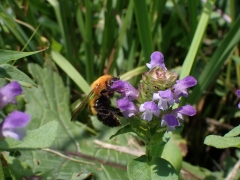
(128, 108)
(149, 108)
(171, 121)
(180, 88)
(118, 86)
(186, 110)
(126, 89)
(8, 93)
(13, 125)
(157, 59)
(238, 93)
(165, 98)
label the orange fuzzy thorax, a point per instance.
(97, 86)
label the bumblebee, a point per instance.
(99, 100)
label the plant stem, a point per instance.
(148, 153)
(1, 171)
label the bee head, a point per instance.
(113, 80)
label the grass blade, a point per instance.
(70, 71)
(216, 62)
(144, 29)
(197, 39)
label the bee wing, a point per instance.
(77, 111)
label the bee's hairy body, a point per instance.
(100, 103)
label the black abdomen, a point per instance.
(106, 113)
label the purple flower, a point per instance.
(149, 108)
(184, 110)
(13, 125)
(180, 88)
(8, 93)
(157, 59)
(171, 119)
(126, 89)
(128, 108)
(165, 98)
(171, 122)
(238, 94)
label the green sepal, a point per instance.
(140, 127)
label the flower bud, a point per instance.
(155, 80)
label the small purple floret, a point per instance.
(125, 89)
(157, 59)
(8, 93)
(149, 108)
(171, 122)
(184, 110)
(164, 98)
(180, 88)
(13, 125)
(127, 107)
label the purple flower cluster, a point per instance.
(13, 125)
(162, 101)
(128, 94)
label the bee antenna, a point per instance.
(120, 74)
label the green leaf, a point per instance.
(172, 154)
(11, 73)
(17, 168)
(6, 55)
(196, 172)
(222, 142)
(125, 129)
(234, 132)
(50, 101)
(42, 137)
(236, 59)
(140, 169)
(64, 168)
(71, 71)
(134, 72)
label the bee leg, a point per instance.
(106, 93)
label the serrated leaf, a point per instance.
(9, 72)
(17, 168)
(140, 169)
(222, 142)
(234, 132)
(6, 55)
(62, 168)
(50, 101)
(42, 137)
